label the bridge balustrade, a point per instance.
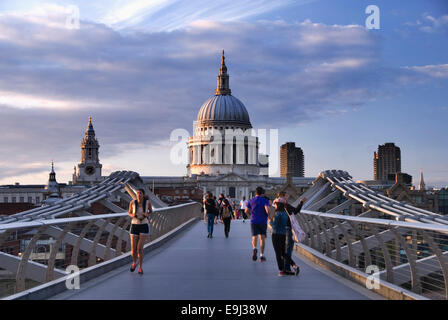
(413, 256)
(39, 251)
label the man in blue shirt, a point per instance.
(258, 210)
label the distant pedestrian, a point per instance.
(139, 211)
(258, 209)
(230, 204)
(230, 200)
(243, 206)
(217, 210)
(278, 224)
(210, 212)
(226, 216)
(220, 201)
(234, 209)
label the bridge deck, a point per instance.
(194, 267)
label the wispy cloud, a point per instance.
(167, 15)
(429, 23)
(435, 71)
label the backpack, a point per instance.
(226, 213)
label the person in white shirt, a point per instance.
(243, 206)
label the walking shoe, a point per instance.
(254, 255)
(133, 266)
(208, 236)
(296, 270)
(262, 258)
(281, 274)
(289, 272)
(140, 271)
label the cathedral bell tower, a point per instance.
(89, 170)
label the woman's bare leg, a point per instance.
(134, 244)
(141, 243)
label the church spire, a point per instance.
(90, 132)
(89, 170)
(52, 176)
(52, 185)
(421, 185)
(223, 79)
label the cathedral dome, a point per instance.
(223, 108)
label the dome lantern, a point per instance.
(223, 109)
(223, 79)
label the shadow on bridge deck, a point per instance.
(194, 267)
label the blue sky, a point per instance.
(143, 68)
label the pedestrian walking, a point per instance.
(291, 211)
(258, 210)
(243, 206)
(220, 201)
(139, 211)
(226, 216)
(278, 224)
(210, 212)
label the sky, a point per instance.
(309, 68)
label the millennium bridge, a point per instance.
(389, 250)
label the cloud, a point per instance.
(168, 15)
(429, 23)
(140, 86)
(434, 71)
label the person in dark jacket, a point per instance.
(226, 216)
(290, 210)
(210, 212)
(220, 202)
(278, 224)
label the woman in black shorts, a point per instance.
(139, 211)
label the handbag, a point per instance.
(298, 235)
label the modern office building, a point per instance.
(386, 161)
(292, 160)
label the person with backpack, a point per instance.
(139, 211)
(210, 212)
(278, 224)
(226, 216)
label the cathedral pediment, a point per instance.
(232, 177)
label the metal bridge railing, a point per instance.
(39, 251)
(411, 255)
